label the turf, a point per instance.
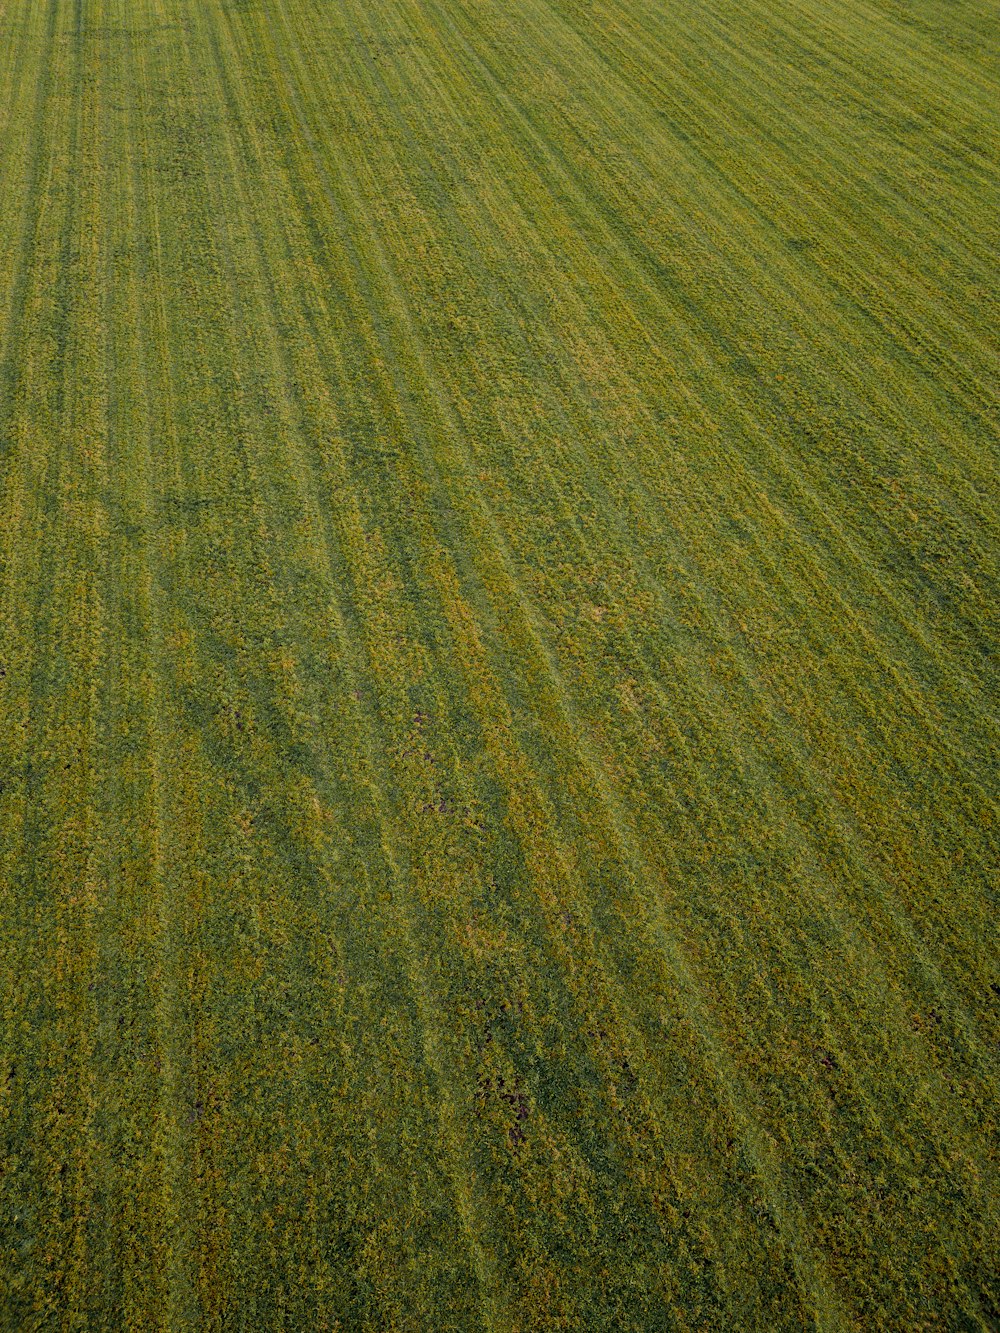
(500, 591)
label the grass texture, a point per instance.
(499, 555)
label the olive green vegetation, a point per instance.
(498, 686)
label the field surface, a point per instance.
(500, 594)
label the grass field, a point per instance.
(500, 585)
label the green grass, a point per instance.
(500, 593)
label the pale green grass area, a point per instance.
(499, 615)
